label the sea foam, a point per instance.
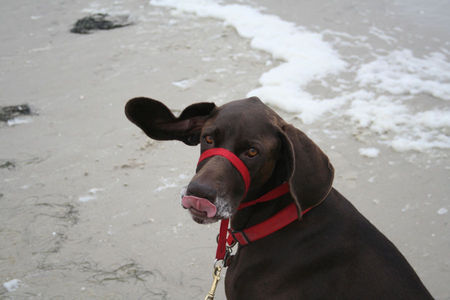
(305, 55)
(376, 94)
(12, 285)
(400, 72)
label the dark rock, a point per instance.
(10, 112)
(100, 22)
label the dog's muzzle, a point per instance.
(204, 205)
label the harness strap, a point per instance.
(280, 220)
(222, 240)
(234, 160)
(273, 194)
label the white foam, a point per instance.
(167, 184)
(184, 84)
(380, 114)
(369, 152)
(375, 98)
(305, 55)
(95, 190)
(400, 72)
(398, 127)
(381, 35)
(442, 211)
(86, 198)
(12, 285)
(91, 195)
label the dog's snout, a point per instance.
(201, 190)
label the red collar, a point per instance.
(281, 219)
(278, 221)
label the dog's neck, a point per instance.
(258, 213)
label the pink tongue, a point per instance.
(199, 204)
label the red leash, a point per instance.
(222, 240)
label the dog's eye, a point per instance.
(209, 139)
(252, 152)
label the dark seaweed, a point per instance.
(10, 112)
(99, 22)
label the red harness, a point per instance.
(280, 220)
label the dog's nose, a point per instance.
(201, 190)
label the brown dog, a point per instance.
(332, 252)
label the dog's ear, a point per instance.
(310, 173)
(158, 122)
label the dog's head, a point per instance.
(271, 150)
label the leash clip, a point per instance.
(228, 256)
(228, 252)
(216, 278)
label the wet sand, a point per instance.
(91, 209)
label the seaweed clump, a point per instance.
(10, 112)
(100, 22)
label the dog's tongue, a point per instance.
(199, 204)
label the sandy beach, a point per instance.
(90, 207)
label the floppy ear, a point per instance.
(310, 173)
(158, 122)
